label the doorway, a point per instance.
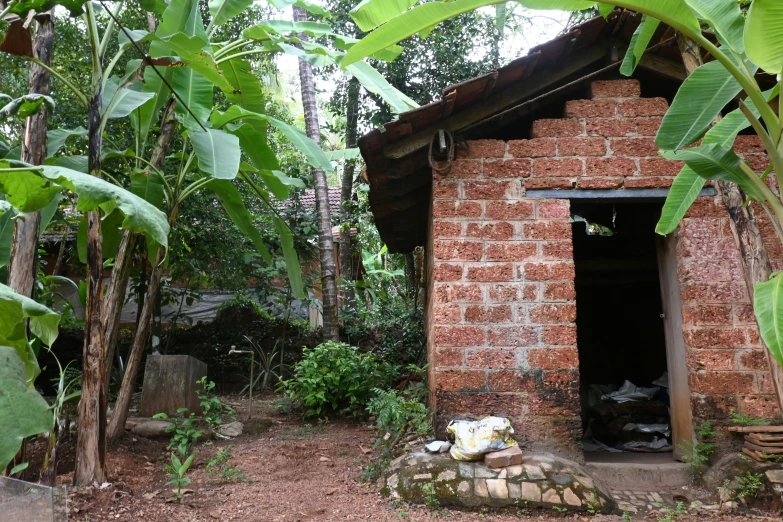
(626, 341)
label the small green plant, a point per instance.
(220, 466)
(743, 487)
(593, 509)
(560, 509)
(177, 470)
(212, 408)
(334, 377)
(626, 517)
(698, 454)
(522, 510)
(430, 498)
(183, 430)
(397, 416)
(670, 515)
(746, 420)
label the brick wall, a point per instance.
(501, 312)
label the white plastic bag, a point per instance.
(473, 439)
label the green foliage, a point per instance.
(23, 412)
(698, 455)
(742, 487)
(430, 498)
(220, 466)
(177, 470)
(746, 420)
(334, 377)
(212, 409)
(184, 430)
(671, 515)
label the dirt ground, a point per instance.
(295, 470)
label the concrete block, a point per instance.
(507, 457)
(170, 383)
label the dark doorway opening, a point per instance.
(621, 339)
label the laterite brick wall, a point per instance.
(501, 308)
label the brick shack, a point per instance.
(527, 310)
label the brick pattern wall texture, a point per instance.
(501, 312)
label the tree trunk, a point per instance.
(91, 443)
(123, 262)
(346, 192)
(23, 266)
(331, 326)
(744, 226)
(120, 415)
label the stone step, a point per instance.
(636, 476)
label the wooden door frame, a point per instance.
(679, 389)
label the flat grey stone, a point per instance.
(531, 492)
(775, 476)
(570, 498)
(447, 475)
(152, 428)
(481, 488)
(484, 472)
(534, 472)
(514, 471)
(464, 488)
(497, 488)
(393, 481)
(551, 497)
(438, 446)
(232, 429)
(514, 490)
(423, 476)
(466, 469)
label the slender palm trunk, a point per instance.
(123, 262)
(346, 192)
(23, 266)
(331, 326)
(91, 444)
(120, 415)
(744, 226)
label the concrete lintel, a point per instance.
(609, 195)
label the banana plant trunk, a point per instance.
(331, 327)
(346, 192)
(91, 442)
(123, 262)
(744, 225)
(23, 266)
(121, 407)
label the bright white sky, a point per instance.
(544, 26)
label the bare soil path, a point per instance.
(296, 471)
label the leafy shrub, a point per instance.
(334, 376)
(211, 407)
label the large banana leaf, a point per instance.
(263, 30)
(688, 184)
(700, 99)
(768, 306)
(726, 19)
(15, 309)
(193, 51)
(121, 102)
(764, 35)
(149, 187)
(218, 152)
(291, 258)
(314, 154)
(675, 13)
(23, 412)
(26, 190)
(374, 82)
(254, 143)
(639, 42)
(247, 92)
(369, 14)
(222, 11)
(716, 162)
(94, 193)
(232, 202)
(56, 138)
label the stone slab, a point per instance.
(170, 383)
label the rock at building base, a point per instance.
(151, 429)
(501, 459)
(232, 429)
(539, 480)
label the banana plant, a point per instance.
(745, 46)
